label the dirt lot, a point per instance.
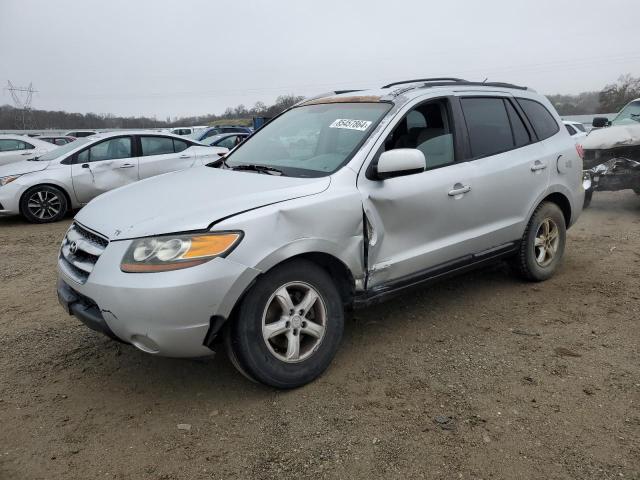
(481, 376)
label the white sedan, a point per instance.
(14, 148)
(575, 129)
(44, 188)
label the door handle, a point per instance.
(27, 153)
(126, 165)
(459, 189)
(538, 165)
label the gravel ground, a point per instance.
(481, 376)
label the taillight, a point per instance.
(580, 151)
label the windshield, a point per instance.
(629, 114)
(63, 150)
(312, 140)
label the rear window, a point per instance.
(544, 124)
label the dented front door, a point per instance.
(103, 167)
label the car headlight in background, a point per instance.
(5, 180)
(173, 252)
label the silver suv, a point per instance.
(341, 201)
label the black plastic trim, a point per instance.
(435, 273)
(85, 310)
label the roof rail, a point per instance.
(437, 82)
(435, 79)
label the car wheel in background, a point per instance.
(289, 326)
(43, 204)
(542, 244)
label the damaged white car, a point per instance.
(612, 154)
(42, 189)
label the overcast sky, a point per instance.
(184, 57)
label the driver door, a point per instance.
(104, 166)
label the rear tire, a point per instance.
(542, 244)
(43, 204)
(588, 195)
(289, 326)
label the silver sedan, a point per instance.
(45, 187)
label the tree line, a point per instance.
(608, 100)
(12, 119)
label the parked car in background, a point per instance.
(56, 140)
(182, 131)
(14, 148)
(219, 130)
(80, 133)
(575, 129)
(44, 188)
(226, 140)
(343, 200)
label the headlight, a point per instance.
(173, 252)
(5, 180)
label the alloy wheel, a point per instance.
(44, 205)
(546, 242)
(294, 322)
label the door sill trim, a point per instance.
(453, 267)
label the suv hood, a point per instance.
(22, 167)
(189, 200)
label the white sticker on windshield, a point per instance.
(361, 125)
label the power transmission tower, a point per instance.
(22, 97)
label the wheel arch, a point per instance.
(336, 268)
(563, 204)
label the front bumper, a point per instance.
(10, 199)
(164, 313)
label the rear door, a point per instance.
(105, 165)
(510, 168)
(161, 154)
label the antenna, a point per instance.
(22, 98)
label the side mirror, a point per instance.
(222, 151)
(400, 161)
(599, 122)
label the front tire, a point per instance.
(542, 244)
(43, 204)
(289, 326)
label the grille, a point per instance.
(80, 251)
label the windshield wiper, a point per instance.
(258, 168)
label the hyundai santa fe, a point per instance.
(342, 201)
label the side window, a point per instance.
(10, 145)
(521, 135)
(580, 127)
(156, 145)
(60, 141)
(179, 145)
(111, 149)
(487, 125)
(542, 121)
(428, 129)
(210, 133)
(228, 142)
(570, 129)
